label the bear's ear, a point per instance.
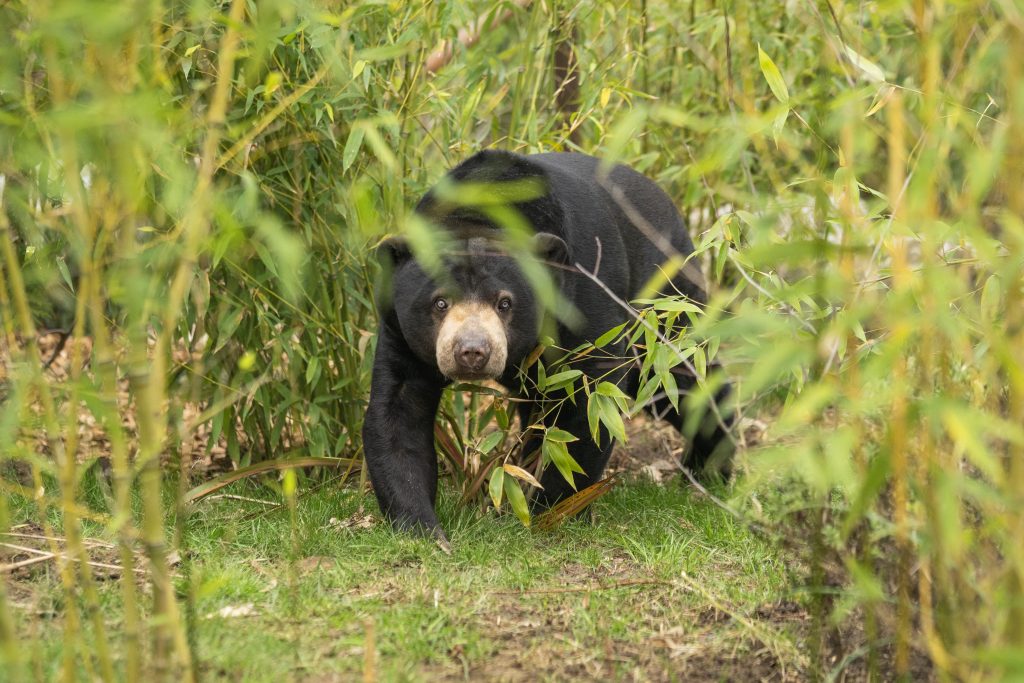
(395, 249)
(551, 247)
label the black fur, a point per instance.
(580, 222)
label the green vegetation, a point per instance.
(189, 195)
(278, 597)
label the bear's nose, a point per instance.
(472, 353)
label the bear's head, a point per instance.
(476, 317)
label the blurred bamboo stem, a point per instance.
(10, 646)
(898, 442)
(86, 228)
(150, 394)
(104, 367)
(1013, 366)
(19, 297)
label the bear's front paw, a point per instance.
(423, 525)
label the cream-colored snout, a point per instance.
(471, 342)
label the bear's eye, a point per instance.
(504, 304)
(440, 304)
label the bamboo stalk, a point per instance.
(104, 367)
(1013, 368)
(18, 295)
(11, 647)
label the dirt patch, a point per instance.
(26, 552)
(668, 639)
(654, 448)
(56, 350)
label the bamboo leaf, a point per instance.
(611, 334)
(449, 448)
(773, 76)
(352, 145)
(517, 500)
(495, 487)
(560, 378)
(558, 454)
(574, 504)
(490, 441)
(865, 66)
(559, 435)
(520, 473)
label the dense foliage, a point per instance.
(190, 192)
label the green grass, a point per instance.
(659, 580)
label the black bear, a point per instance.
(479, 319)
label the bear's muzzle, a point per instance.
(471, 342)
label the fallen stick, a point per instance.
(47, 555)
(246, 499)
(630, 583)
(7, 568)
(90, 541)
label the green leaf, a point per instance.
(558, 453)
(991, 296)
(380, 148)
(312, 370)
(609, 415)
(352, 145)
(490, 441)
(517, 500)
(602, 409)
(501, 415)
(605, 338)
(773, 76)
(647, 390)
(494, 487)
(700, 363)
(558, 378)
(669, 386)
(612, 391)
(559, 435)
(65, 273)
(966, 430)
(867, 68)
(384, 52)
(778, 124)
(272, 83)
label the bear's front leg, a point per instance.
(398, 439)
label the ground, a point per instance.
(659, 583)
(662, 585)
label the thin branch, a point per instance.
(656, 237)
(628, 583)
(40, 537)
(246, 499)
(766, 293)
(48, 555)
(663, 339)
